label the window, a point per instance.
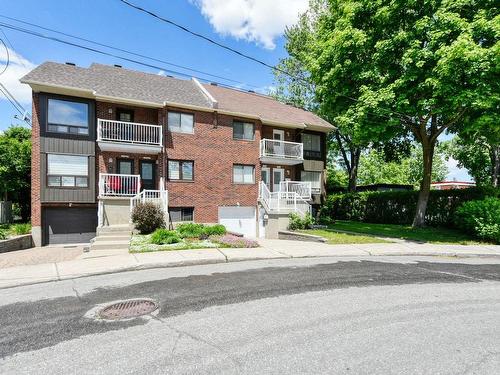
(180, 170)
(65, 116)
(243, 174)
(312, 145)
(67, 171)
(125, 115)
(180, 122)
(124, 166)
(314, 178)
(181, 214)
(243, 130)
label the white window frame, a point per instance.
(244, 124)
(178, 129)
(242, 168)
(315, 185)
(62, 175)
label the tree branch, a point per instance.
(342, 150)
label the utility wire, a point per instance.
(12, 47)
(11, 101)
(126, 51)
(198, 35)
(8, 57)
(210, 40)
(43, 36)
(2, 86)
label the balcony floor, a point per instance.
(280, 160)
(134, 148)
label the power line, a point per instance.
(12, 47)
(126, 51)
(43, 36)
(210, 40)
(12, 96)
(6, 94)
(8, 57)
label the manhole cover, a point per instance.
(128, 309)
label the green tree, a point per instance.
(381, 66)
(15, 167)
(477, 149)
(374, 169)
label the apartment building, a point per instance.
(106, 138)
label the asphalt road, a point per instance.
(295, 316)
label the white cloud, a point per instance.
(455, 172)
(18, 67)
(260, 21)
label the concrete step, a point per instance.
(109, 245)
(115, 228)
(113, 236)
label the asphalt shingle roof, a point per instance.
(266, 107)
(106, 80)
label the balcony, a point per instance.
(302, 188)
(119, 185)
(130, 137)
(281, 152)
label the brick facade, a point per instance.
(36, 209)
(214, 151)
(211, 148)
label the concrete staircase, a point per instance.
(113, 237)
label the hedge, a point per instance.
(398, 207)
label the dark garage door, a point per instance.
(69, 225)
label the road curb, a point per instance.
(194, 262)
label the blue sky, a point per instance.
(253, 27)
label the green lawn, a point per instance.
(335, 238)
(432, 235)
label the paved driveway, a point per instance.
(40, 255)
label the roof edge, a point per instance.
(215, 104)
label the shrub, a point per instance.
(164, 237)
(190, 230)
(23, 228)
(481, 218)
(300, 222)
(147, 217)
(230, 240)
(3, 234)
(214, 230)
(398, 207)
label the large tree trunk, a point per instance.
(353, 171)
(495, 165)
(425, 184)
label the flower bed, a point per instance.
(188, 236)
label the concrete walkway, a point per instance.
(103, 261)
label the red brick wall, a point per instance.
(36, 210)
(214, 152)
(104, 165)
(141, 114)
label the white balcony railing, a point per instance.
(119, 185)
(271, 148)
(129, 132)
(302, 188)
(282, 202)
(158, 197)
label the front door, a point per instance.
(279, 147)
(265, 176)
(278, 176)
(125, 166)
(148, 174)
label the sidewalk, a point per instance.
(102, 262)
